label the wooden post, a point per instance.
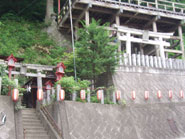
(156, 4)
(117, 19)
(87, 17)
(128, 47)
(181, 40)
(0, 84)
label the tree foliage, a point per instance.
(95, 54)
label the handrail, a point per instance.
(51, 120)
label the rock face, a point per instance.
(96, 121)
(61, 39)
(7, 131)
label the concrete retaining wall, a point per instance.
(7, 131)
(96, 121)
(141, 79)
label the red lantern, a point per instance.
(99, 94)
(40, 94)
(82, 95)
(181, 94)
(118, 95)
(133, 95)
(62, 94)
(146, 95)
(60, 71)
(11, 61)
(159, 95)
(170, 94)
(15, 95)
(48, 85)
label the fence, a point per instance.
(151, 61)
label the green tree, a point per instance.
(95, 54)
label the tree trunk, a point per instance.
(49, 11)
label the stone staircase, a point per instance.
(32, 126)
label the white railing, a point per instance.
(151, 61)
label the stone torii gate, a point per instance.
(30, 70)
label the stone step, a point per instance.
(30, 118)
(28, 111)
(25, 125)
(35, 132)
(30, 136)
(31, 121)
(33, 128)
(29, 115)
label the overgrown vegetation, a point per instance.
(6, 82)
(26, 40)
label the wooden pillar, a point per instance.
(87, 17)
(181, 40)
(156, 4)
(0, 84)
(117, 19)
(128, 47)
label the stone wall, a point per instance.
(7, 131)
(95, 121)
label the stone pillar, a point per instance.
(74, 96)
(147, 60)
(162, 53)
(138, 60)
(134, 59)
(126, 60)
(155, 30)
(155, 62)
(159, 62)
(114, 97)
(39, 80)
(88, 95)
(170, 63)
(142, 60)
(128, 48)
(151, 61)
(58, 91)
(102, 99)
(48, 96)
(0, 84)
(181, 40)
